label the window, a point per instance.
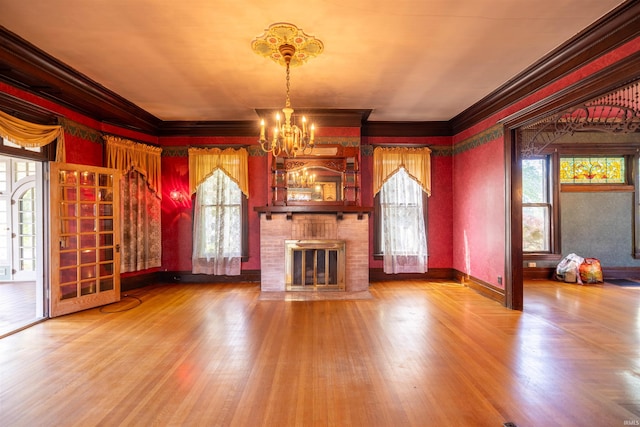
(27, 231)
(24, 169)
(401, 185)
(592, 170)
(8, 143)
(402, 231)
(218, 230)
(536, 206)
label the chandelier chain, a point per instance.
(288, 101)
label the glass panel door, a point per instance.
(85, 256)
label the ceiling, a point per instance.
(406, 60)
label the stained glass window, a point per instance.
(592, 170)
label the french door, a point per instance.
(85, 237)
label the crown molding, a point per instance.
(209, 128)
(407, 129)
(26, 67)
(613, 30)
(25, 110)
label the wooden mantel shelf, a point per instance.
(338, 210)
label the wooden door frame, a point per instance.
(622, 72)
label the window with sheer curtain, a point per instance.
(217, 240)
(402, 183)
(403, 241)
(219, 179)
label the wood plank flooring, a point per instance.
(17, 306)
(415, 354)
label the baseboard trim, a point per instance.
(140, 281)
(621, 272)
(538, 273)
(378, 275)
(482, 287)
(188, 277)
(547, 273)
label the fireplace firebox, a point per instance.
(315, 265)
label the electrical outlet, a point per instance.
(499, 280)
(531, 264)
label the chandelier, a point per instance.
(287, 45)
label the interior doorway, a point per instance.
(22, 231)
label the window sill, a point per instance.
(541, 257)
(590, 188)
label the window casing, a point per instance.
(541, 192)
(537, 208)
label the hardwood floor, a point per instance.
(17, 306)
(415, 354)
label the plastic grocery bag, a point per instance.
(591, 271)
(568, 270)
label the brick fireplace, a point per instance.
(277, 230)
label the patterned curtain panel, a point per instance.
(140, 190)
(217, 237)
(404, 240)
(141, 226)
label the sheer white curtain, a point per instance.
(217, 237)
(404, 240)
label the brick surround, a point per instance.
(274, 232)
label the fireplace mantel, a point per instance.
(338, 210)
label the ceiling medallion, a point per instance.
(289, 46)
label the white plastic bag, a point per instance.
(568, 270)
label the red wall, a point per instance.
(478, 217)
(440, 204)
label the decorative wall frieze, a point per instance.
(80, 131)
(176, 151)
(491, 134)
(436, 150)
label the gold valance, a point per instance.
(32, 135)
(125, 155)
(416, 161)
(204, 161)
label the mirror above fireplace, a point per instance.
(330, 178)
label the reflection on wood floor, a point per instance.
(414, 354)
(17, 305)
